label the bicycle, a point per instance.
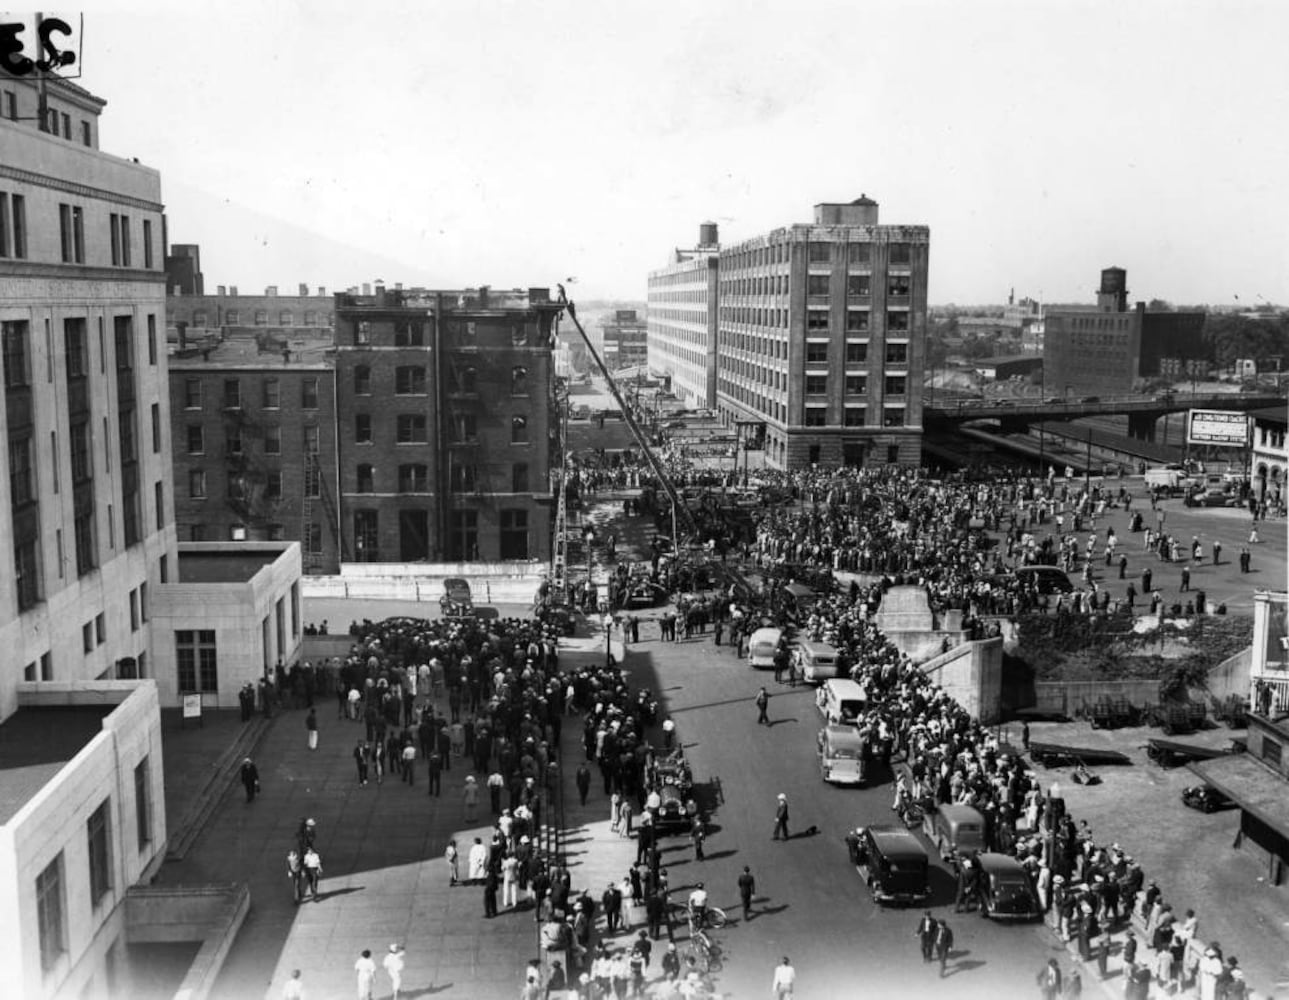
(705, 952)
(713, 917)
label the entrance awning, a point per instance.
(1254, 787)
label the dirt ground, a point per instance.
(1191, 854)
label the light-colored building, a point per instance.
(88, 524)
(1270, 454)
(821, 338)
(82, 819)
(682, 319)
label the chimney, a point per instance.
(398, 286)
(367, 288)
(232, 289)
(322, 292)
(271, 291)
(221, 290)
(304, 290)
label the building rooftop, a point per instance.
(1004, 359)
(1271, 415)
(213, 566)
(277, 348)
(35, 743)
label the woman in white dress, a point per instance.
(478, 861)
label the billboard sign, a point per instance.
(31, 44)
(1224, 428)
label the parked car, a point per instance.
(457, 601)
(1090, 399)
(1006, 892)
(892, 862)
(1213, 498)
(1205, 798)
(645, 594)
(954, 830)
(1048, 579)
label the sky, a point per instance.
(518, 143)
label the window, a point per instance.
(82, 464)
(134, 611)
(407, 334)
(411, 428)
(196, 532)
(900, 253)
(197, 484)
(462, 478)
(856, 321)
(275, 532)
(123, 341)
(1271, 752)
(362, 380)
(514, 534)
(893, 416)
(817, 284)
(234, 486)
(313, 543)
(85, 555)
(362, 333)
(143, 603)
(196, 660)
(147, 241)
(519, 477)
(817, 320)
(192, 394)
(467, 380)
(819, 253)
(77, 350)
(897, 354)
(858, 284)
(232, 394)
(272, 394)
(816, 354)
(366, 535)
(125, 241)
(16, 371)
(18, 223)
(114, 222)
(463, 535)
(273, 440)
(156, 429)
(67, 125)
(362, 428)
(309, 394)
(897, 285)
(285, 318)
(816, 416)
(49, 913)
(233, 441)
(71, 228)
(816, 385)
(311, 439)
(143, 802)
(896, 385)
(856, 385)
(22, 472)
(159, 501)
(196, 439)
(519, 381)
(813, 454)
(855, 416)
(272, 486)
(518, 430)
(859, 253)
(261, 317)
(892, 453)
(897, 321)
(413, 478)
(87, 637)
(232, 317)
(409, 380)
(365, 477)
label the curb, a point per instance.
(222, 775)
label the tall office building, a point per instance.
(625, 339)
(681, 335)
(814, 335)
(446, 424)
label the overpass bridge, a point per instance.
(1016, 415)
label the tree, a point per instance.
(1159, 305)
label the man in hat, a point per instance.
(926, 935)
(943, 944)
(762, 703)
(394, 968)
(781, 818)
(250, 778)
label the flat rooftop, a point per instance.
(35, 743)
(224, 567)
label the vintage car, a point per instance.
(893, 863)
(1006, 892)
(673, 783)
(1205, 798)
(644, 594)
(456, 602)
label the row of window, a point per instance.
(856, 385)
(13, 225)
(854, 416)
(15, 348)
(71, 231)
(271, 394)
(50, 884)
(463, 535)
(233, 317)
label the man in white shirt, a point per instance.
(785, 978)
(394, 968)
(698, 906)
(366, 970)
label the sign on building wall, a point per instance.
(31, 44)
(1224, 428)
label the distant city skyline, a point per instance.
(516, 145)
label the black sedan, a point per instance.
(1205, 798)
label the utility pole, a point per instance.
(1087, 472)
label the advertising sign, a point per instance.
(32, 43)
(192, 706)
(1224, 428)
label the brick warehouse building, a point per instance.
(446, 461)
(822, 338)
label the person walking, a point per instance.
(470, 795)
(361, 758)
(1049, 980)
(1186, 579)
(781, 818)
(311, 725)
(366, 970)
(943, 944)
(394, 968)
(312, 871)
(454, 862)
(583, 779)
(409, 761)
(762, 703)
(434, 772)
(785, 980)
(926, 935)
(697, 833)
(250, 779)
(294, 988)
(1217, 551)
(746, 889)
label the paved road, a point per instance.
(813, 906)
